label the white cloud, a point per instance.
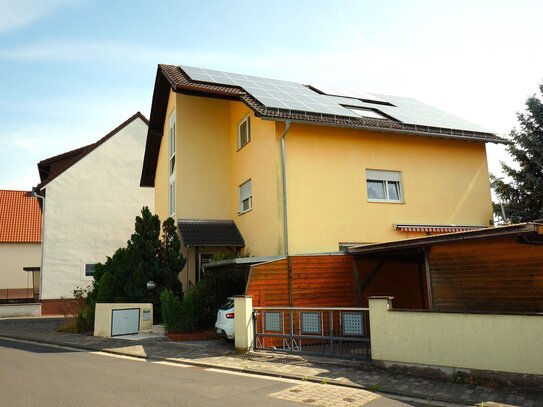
(16, 14)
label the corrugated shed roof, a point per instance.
(20, 217)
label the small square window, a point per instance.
(89, 270)
(244, 132)
(245, 196)
(384, 186)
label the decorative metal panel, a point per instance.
(352, 323)
(311, 322)
(272, 321)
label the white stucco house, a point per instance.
(92, 196)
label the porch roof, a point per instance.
(210, 233)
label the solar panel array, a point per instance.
(287, 95)
(271, 92)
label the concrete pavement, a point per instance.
(219, 354)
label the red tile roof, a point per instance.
(20, 217)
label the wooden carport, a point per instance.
(497, 269)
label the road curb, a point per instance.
(268, 373)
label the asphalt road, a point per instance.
(39, 375)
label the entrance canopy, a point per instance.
(210, 233)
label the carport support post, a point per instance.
(243, 323)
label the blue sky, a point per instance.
(71, 71)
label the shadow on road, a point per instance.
(29, 347)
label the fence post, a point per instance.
(243, 323)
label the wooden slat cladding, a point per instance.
(489, 275)
(404, 281)
(317, 281)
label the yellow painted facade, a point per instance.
(444, 181)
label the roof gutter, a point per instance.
(284, 176)
(392, 130)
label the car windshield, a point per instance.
(228, 304)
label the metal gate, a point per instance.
(338, 332)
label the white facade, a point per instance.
(90, 210)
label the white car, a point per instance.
(225, 320)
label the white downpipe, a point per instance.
(37, 195)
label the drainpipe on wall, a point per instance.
(284, 174)
(35, 193)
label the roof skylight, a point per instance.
(367, 113)
(326, 90)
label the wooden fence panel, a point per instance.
(490, 275)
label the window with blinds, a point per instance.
(245, 196)
(384, 186)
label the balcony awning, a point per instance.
(435, 228)
(210, 233)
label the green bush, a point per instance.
(85, 319)
(170, 309)
(195, 311)
(106, 288)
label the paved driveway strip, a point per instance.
(219, 354)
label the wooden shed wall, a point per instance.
(488, 275)
(406, 282)
(317, 281)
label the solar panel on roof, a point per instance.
(277, 94)
(272, 93)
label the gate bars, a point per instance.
(333, 331)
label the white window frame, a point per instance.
(244, 138)
(386, 177)
(245, 196)
(171, 164)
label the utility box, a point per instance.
(122, 319)
(125, 321)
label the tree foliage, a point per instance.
(521, 192)
(148, 256)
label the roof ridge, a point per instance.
(62, 155)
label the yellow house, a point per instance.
(282, 168)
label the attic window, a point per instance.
(372, 114)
